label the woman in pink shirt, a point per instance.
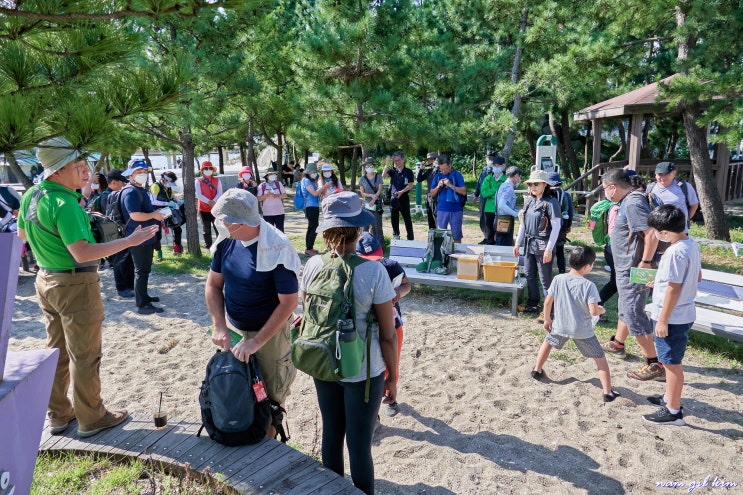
(271, 194)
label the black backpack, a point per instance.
(231, 411)
(113, 209)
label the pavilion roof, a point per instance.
(639, 101)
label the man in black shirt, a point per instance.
(401, 182)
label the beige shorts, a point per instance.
(275, 363)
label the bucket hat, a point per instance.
(538, 176)
(553, 179)
(245, 170)
(134, 165)
(344, 210)
(311, 169)
(55, 153)
(237, 206)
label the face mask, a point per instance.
(327, 174)
(497, 170)
(208, 173)
(489, 163)
(313, 176)
(94, 187)
(271, 178)
(140, 179)
(369, 170)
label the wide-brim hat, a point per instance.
(134, 166)
(538, 176)
(206, 164)
(237, 206)
(344, 210)
(270, 172)
(55, 153)
(311, 169)
(326, 167)
(368, 247)
(368, 161)
(554, 179)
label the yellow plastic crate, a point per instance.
(499, 271)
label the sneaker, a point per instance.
(392, 409)
(607, 268)
(614, 348)
(662, 416)
(656, 399)
(153, 299)
(653, 371)
(537, 375)
(126, 293)
(540, 318)
(149, 309)
(610, 397)
(60, 425)
(109, 420)
(522, 308)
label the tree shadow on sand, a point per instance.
(512, 453)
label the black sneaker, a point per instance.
(656, 399)
(662, 416)
(537, 375)
(153, 299)
(149, 309)
(610, 397)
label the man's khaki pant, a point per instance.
(73, 310)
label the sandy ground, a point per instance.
(472, 420)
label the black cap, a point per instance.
(116, 175)
(665, 168)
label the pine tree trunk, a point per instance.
(243, 155)
(16, 169)
(701, 165)
(221, 159)
(556, 130)
(189, 193)
(515, 110)
(571, 164)
(146, 154)
(251, 148)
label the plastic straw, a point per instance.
(160, 406)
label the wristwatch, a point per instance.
(646, 261)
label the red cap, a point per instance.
(206, 164)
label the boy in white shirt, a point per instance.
(673, 311)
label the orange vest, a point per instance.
(207, 192)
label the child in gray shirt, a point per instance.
(576, 301)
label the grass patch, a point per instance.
(183, 264)
(95, 474)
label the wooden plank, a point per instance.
(294, 475)
(201, 451)
(265, 468)
(155, 436)
(407, 252)
(336, 486)
(262, 454)
(169, 445)
(718, 302)
(131, 434)
(224, 457)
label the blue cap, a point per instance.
(630, 172)
(138, 164)
(553, 179)
(368, 247)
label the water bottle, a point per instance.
(349, 348)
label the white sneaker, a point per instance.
(607, 268)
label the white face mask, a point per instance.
(313, 176)
(489, 163)
(498, 170)
(271, 178)
(208, 173)
(327, 174)
(369, 170)
(94, 187)
(140, 179)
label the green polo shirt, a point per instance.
(58, 209)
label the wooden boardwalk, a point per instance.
(267, 467)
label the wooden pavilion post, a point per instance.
(635, 141)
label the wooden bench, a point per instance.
(719, 304)
(410, 253)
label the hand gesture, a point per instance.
(142, 234)
(661, 329)
(158, 216)
(221, 337)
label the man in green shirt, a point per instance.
(58, 229)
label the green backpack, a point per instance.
(599, 223)
(437, 258)
(326, 345)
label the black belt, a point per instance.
(82, 269)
